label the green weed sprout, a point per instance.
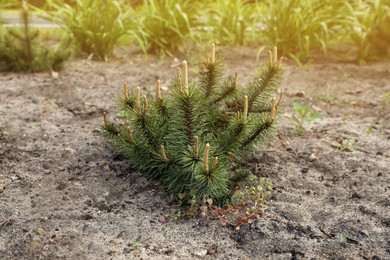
(301, 116)
(21, 49)
(190, 139)
(385, 100)
(95, 25)
(348, 145)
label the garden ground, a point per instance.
(66, 194)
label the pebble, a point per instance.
(200, 253)
(70, 150)
(55, 75)
(15, 178)
(3, 110)
(40, 231)
(35, 245)
(315, 232)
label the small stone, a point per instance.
(35, 245)
(298, 94)
(364, 233)
(212, 250)
(305, 170)
(61, 186)
(70, 150)
(3, 110)
(200, 253)
(315, 232)
(103, 163)
(90, 246)
(40, 231)
(15, 178)
(162, 219)
(55, 75)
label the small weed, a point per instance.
(370, 130)
(345, 117)
(346, 75)
(5, 135)
(303, 115)
(348, 145)
(137, 246)
(328, 99)
(248, 204)
(178, 215)
(385, 100)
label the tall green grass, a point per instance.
(368, 26)
(299, 27)
(166, 25)
(96, 25)
(228, 21)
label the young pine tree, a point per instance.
(189, 139)
(20, 49)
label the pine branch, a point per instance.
(228, 89)
(211, 73)
(147, 132)
(265, 84)
(231, 137)
(260, 133)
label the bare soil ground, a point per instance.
(66, 194)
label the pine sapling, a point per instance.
(20, 50)
(190, 138)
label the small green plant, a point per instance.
(4, 134)
(137, 245)
(367, 25)
(229, 20)
(303, 115)
(21, 49)
(298, 27)
(385, 99)
(95, 25)
(327, 98)
(165, 25)
(348, 145)
(190, 139)
(249, 203)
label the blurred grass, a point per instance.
(95, 25)
(369, 28)
(301, 29)
(228, 22)
(165, 25)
